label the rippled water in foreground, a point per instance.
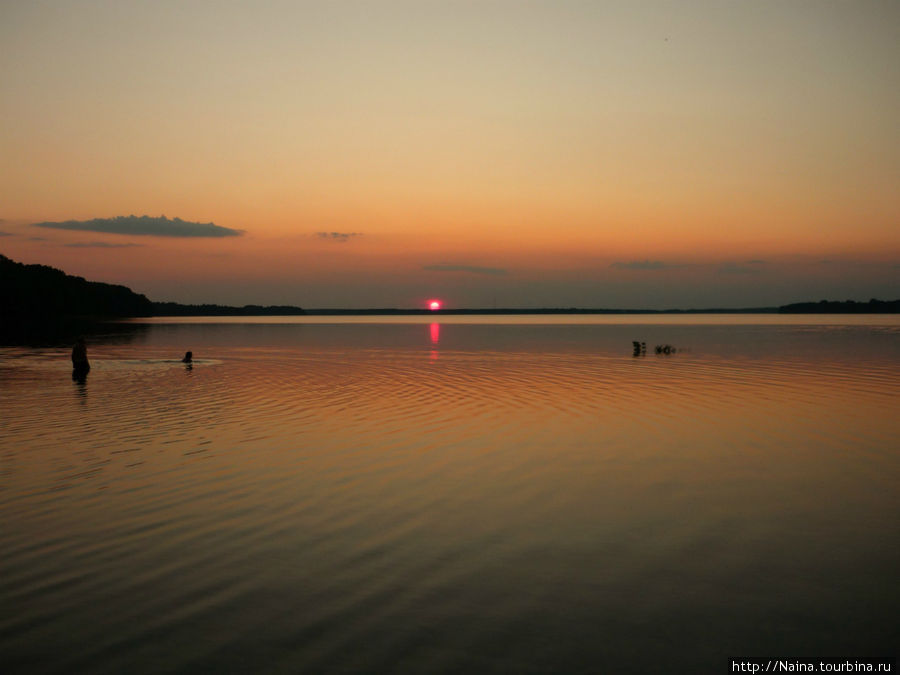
(464, 497)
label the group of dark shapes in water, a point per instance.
(81, 366)
(640, 348)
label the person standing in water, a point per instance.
(188, 357)
(80, 364)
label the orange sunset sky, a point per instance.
(510, 154)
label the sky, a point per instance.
(489, 153)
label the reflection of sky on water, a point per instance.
(533, 480)
(795, 341)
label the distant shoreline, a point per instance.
(822, 307)
(39, 294)
(513, 312)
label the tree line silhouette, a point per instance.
(28, 291)
(40, 291)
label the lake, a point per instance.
(515, 494)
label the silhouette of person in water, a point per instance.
(188, 357)
(80, 365)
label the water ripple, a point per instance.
(355, 509)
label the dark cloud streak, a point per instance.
(643, 265)
(99, 244)
(339, 237)
(145, 226)
(471, 269)
(746, 267)
(737, 268)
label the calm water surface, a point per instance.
(479, 495)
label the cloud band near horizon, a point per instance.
(642, 265)
(145, 226)
(471, 269)
(99, 244)
(339, 237)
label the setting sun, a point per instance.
(434, 305)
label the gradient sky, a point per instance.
(517, 154)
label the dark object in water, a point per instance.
(79, 356)
(79, 373)
(665, 349)
(188, 357)
(80, 365)
(640, 348)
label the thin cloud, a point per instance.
(470, 269)
(145, 226)
(851, 263)
(643, 265)
(339, 237)
(738, 268)
(6, 234)
(99, 244)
